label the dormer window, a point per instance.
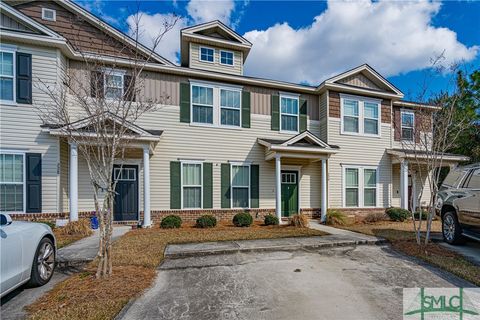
(49, 14)
(207, 54)
(226, 57)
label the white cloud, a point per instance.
(393, 37)
(199, 11)
(207, 10)
(150, 27)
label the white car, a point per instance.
(27, 252)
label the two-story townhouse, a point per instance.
(221, 143)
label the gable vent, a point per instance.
(49, 14)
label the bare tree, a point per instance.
(96, 110)
(436, 130)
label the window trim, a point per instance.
(201, 183)
(402, 111)
(51, 10)
(226, 64)
(217, 121)
(13, 51)
(361, 115)
(241, 164)
(24, 182)
(361, 185)
(289, 96)
(200, 54)
(110, 72)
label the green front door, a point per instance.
(289, 193)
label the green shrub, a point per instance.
(271, 220)
(206, 221)
(423, 214)
(335, 217)
(243, 219)
(171, 221)
(397, 214)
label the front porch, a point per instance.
(290, 156)
(410, 185)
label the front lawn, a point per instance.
(402, 238)
(136, 257)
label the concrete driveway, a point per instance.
(363, 282)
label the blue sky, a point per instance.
(308, 41)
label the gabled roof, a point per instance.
(26, 21)
(305, 142)
(105, 27)
(213, 33)
(83, 128)
(368, 77)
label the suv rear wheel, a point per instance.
(451, 230)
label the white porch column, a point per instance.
(404, 184)
(324, 191)
(414, 192)
(278, 188)
(146, 188)
(73, 179)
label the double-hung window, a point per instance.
(289, 113)
(370, 118)
(7, 76)
(408, 120)
(360, 116)
(216, 105)
(230, 107)
(226, 57)
(360, 186)
(350, 116)
(12, 182)
(202, 104)
(192, 185)
(207, 54)
(113, 85)
(240, 186)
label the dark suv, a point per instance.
(458, 204)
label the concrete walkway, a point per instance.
(336, 238)
(85, 250)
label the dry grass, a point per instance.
(402, 238)
(299, 221)
(136, 256)
(72, 232)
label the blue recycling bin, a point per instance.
(94, 222)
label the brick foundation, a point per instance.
(158, 215)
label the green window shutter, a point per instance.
(275, 112)
(33, 170)
(207, 185)
(175, 185)
(225, 185)
(185, 102)
(245, 109)
(303, 115)
(24, 78)
(254, 186)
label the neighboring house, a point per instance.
(221, 143)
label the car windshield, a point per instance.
(454, 177)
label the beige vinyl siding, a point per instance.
(64, 178)
(20, 124)
(323, 116)
(195, 62)
(359, 150)
(424, 200)
(184, 141)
